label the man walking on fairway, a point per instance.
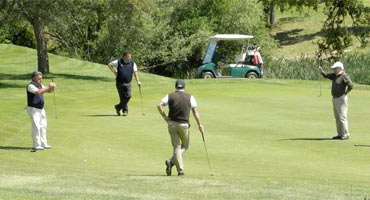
(125, 68)
(341, 86)
(35, 109)
(179, 104)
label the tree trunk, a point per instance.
(42, 54)
(272, 13)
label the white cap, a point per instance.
(338, 64)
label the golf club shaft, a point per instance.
(141, 98)
(55, 104)
(319, 64)
(205, 147)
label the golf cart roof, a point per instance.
(230, 37)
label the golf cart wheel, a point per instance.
(252, 75)
(207, 75)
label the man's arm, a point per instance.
(112, 69)
(161, 111)
(137, 78)
(197, 118)
(324, 74)
(349, 84)
(33, 89)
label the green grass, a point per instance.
(266, 138)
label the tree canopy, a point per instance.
(168, 37)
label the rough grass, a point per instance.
(305, 68)
(267, 139)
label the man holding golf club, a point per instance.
(179, 104)
(35, 109)
(341, 86)
(125, 69)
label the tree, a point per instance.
(38, 13)
(337, 35)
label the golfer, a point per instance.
(341, 86)
(179, 104)
(125, 68)
(35, 109)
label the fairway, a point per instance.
(266, 139)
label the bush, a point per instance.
(17, 35)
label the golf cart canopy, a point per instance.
(230, 37)
(213, 43)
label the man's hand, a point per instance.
(139, 83)
(201, 129)
(320, 69)
(112, 69)
(51, 87)
(167, 119)
(52, 84)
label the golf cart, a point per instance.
(242, 66)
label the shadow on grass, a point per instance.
(362, 145)
(291, 37)
(4, 76)
(7, 85)
(309, 139)
(107, 115)
(143, 175)
(14, 148)
(78, 77)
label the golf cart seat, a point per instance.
(240, 58)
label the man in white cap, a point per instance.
(179, 104)
(341, 86)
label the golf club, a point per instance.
(318, 64)
(55, 104)
(205, 147)
(141, 97)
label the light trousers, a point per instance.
(39, 124)
(340, 108)
(179, 133)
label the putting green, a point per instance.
(266, 139)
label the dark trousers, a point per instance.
(124, 92)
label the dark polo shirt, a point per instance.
(341, 83)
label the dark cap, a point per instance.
(180, 84)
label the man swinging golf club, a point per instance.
(125, 69)
(35, 109)
(341, 86)
(179, 104)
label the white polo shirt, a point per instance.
(193, 103)
(33, 89)
(115, 64)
